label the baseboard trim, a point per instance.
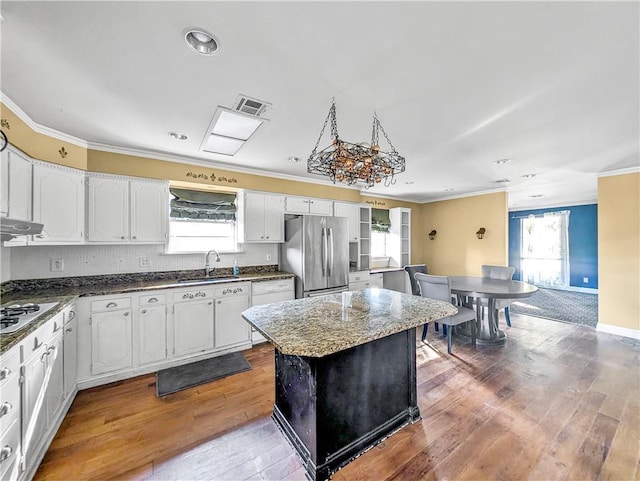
(619, 331)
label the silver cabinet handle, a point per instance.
(144, 311)
(5, 408)
(135, 236)
(40, 236)
(69, 329)
(50, 349)
(210, 303)
(5, 453)
(72, 315)
(152, 300)
(122, 237)
(36, 345)
(126, 314)
(56, 328)
(219, 302)
(4, 373)
(112, 304)
(44, 354)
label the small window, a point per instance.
(380, 225)
(201, 221)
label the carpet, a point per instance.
(568, 306)
(177, 378)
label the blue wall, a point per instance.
(583, 242)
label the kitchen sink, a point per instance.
(207, 279)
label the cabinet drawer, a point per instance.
(193, 294)
(152, 299)
(265, 287)
(10, 451)
(9, 401)
(359, 276)
(35, 340)
(231, 290)
(9, 366)
(111, 304)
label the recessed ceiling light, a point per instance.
(201, 41)
(178, 136)
(529, 176)
(294, 159)
(449, 189)
(502, 181)
(536, 195)
(502, 161)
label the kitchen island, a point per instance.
(345, 376)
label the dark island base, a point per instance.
(334, 408)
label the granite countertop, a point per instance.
(319, 326)
(96, 288)
(7, 341)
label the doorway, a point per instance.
(545, 249)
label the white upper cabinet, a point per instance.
(123, 210)
(107, 209)
(400, 237)
(17, 172)
(58, 203)
(260, 217)
(303, 205)
(352, 213)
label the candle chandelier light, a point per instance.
(351, 163)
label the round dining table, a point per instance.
(469, 289)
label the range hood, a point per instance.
(10, 228)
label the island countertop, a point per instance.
(319, 326)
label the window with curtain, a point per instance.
(380, 225)
(545, 249)
(201, 221)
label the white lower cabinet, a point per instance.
(230, 327)
(10, 435)
(70, 352)
(111, 336)
(153, 333)
(268, 292)
(192, 326)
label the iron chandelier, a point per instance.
(351, 163)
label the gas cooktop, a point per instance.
(16, 315)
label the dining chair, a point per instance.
(411, 270)
(504, 273)
(439, 288)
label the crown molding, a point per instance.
(628, 170)
(40, 129)
(462, 196)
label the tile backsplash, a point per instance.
(35, 262)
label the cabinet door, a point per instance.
(111, 341)
(192, 327)
(352, 213)
(297, 205)
(153, 334)
(320, 206)
(34, 415)
(20, 183)
(274, 218)
(55, 387)
(4, 182)
(108, 216)
(149, 211)
(70, 356)
(58, 203)
(231, 328)
(254, 217)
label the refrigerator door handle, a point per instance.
(324, 252)
(330, 239)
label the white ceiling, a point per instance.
(457, 86)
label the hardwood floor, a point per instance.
(559, 401)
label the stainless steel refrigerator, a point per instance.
(316, 250)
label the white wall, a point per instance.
(33, 262)
(5, 264)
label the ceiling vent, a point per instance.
(251, 106)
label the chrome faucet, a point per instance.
(208, 270)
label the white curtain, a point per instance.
(545, 249)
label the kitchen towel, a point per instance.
(177, 378)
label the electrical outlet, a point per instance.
(585, 280)
(145, 261)
(268, 257)
(56, 265)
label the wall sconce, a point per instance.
(480, 233)
(432, 234)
